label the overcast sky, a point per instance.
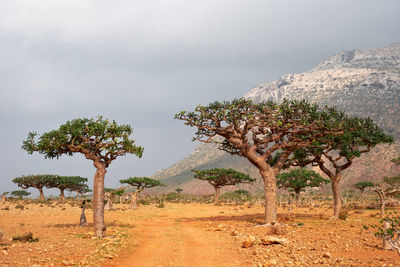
(140, 62)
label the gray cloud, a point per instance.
(139, 62)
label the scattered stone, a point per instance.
(326, 255)
(269, 240)
(249, 241)
(235, 233)
(5, 252)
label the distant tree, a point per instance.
(36, 181)
(266, 133)
(110, 195)
(20, 193)
(298, 179)
(71, 183)
(140, 183)
(3, 196)
(335, 153)
(99, 140)
(362, 186)
(222, 177)
(79, 187)
(179, 190)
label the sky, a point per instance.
(140, 62)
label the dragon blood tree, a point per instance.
(335, 153)
(140, 183)
(20, 193)
(265, 133)
(99, 140)
(297, 179)
(70, 183)
(362, 186)
(36, 181)
(222, 177)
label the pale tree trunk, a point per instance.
(268, 176)
(109, 205)
(362, 197)
(41, 194)
(217, 192)
(3, 198)
(98, 199)
(383, 202)
(336, 197)
(298, 202)
(133, 200)
(77, 196)
(386, 245)
(62, 194)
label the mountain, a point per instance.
(362, 83)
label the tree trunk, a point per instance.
(133, 200)
(62, 194)
(269, 179)
(98, 199)
(383, 202)
(3, 198)
(298, 203)
(77, 196)
(217, 191)
(362, 197)
(336, 197)
(109, 205)
(386, 245)
(41, 194)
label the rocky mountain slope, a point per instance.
(362, 83)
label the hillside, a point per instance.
(362, 83)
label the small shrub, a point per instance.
(160, 204)
(20, 206)
(25, 238)
(144, 201)
(343, 214)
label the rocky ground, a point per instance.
(189, 235)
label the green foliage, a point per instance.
(141, 182)
(221, 177)
(98, 139)
(36, 181)
(20, 193)
(288, 125)
(391, 233)
(358, 136)
(363, 185)
(298, 179)
(71, 183)
(396, 161)
(115, 192)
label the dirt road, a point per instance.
(172, 240)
